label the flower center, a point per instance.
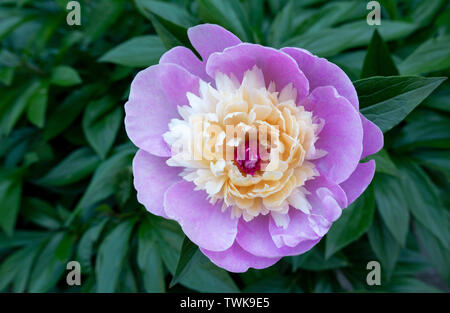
(250, 162)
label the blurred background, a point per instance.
(65, 160)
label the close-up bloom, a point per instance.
(254, 151)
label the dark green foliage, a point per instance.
(66, 185)
(378, 60)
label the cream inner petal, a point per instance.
(247, 145)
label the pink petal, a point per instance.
(205, 224)
(373, 138)
(210, 38)
(298, 230)
(154, 96)
(321, 72)
(275, 65)
(341, 136)
(255, 238)
(152, 177)
(186, 59)
(237, 260)
(326, 198)
(355, 185)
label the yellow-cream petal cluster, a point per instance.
(223, 121)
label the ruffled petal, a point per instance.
(373, 138)
(204, 223)
(255, 238)
(185, 58)
(327, 198)
(321, 72)
(276, 66)
(237, 260)
(341, 136)
(152, 177)
(210, 38)
(355, 185)
(154, 96)
(298, 230)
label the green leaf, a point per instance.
(276, 283)
(97, 189)
(12, 266)
(101, 122)
(111, 255)
(422, 13)
(277, 5)
(431, 132)
(187, 256)
(123, 184)
(128, 281)
(10, 19)
(329, 14)
(384, 245)
(172, 14)
(22, 238)
(434, 250)
(13, 104)
(98, 16)
(24, 267)
(384, 163)
(85, 249)
(392, 205)
(149, 260)
(203, 275)
(323, 42)
(314, 260)
(71, 107)
(424, 201)
(411, 262)
(7, 75)
(281, 26)
(391, 7)
(433, 55)
(440, 99)
(255, 8)
(9, 59)
(37, 106)
(141, 51)
(77, 165)
(168, 19)
(350, 62)
(378, 60)
(51, 263)
(410, 284)
(10, 197)
(442, 22)
(436, 159)
(65, 76)
(386, 101)
(40, 213)
(167, 38)
(353, 223)
(227, 14)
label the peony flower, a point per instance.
(254, 151)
